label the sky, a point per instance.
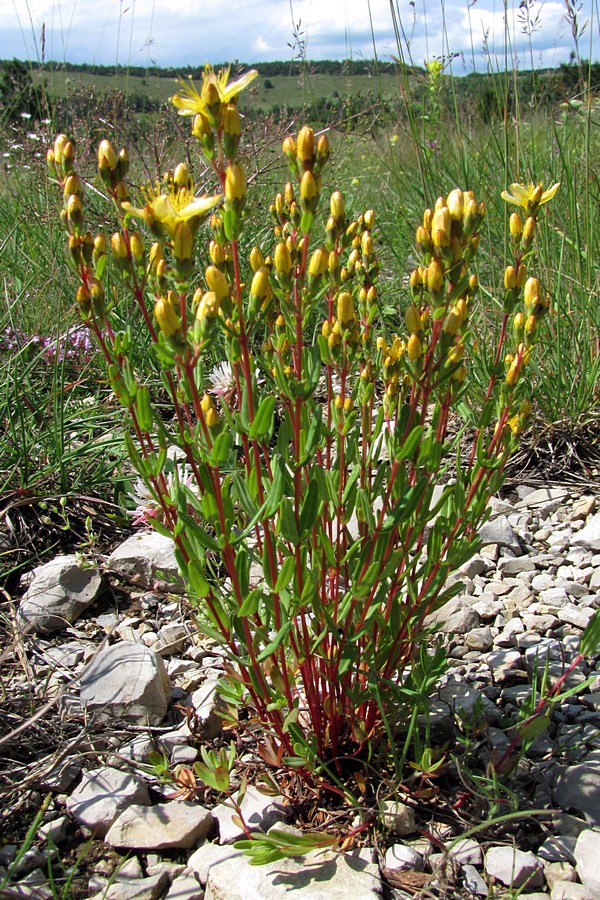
(171, 33)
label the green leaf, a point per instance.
(221, 448)
(199, 534)
(312, 437)
(310, 508)
(262, 426)
(274, 645)
(276, 490)
(407, 449)
(197, 582)
(242, 568)
(285, 574)
(287, 522)
(530, 730)
(250, 605)
(590, 639)
(144, 408)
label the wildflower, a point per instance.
(190, 101)
(171, 209)
(529, 197)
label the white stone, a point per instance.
(178, 823)
(185, 887)
(578, 788)
(149, 555)
(397, 818)
(568, 890)
(473, 881)
(58, 593)
(208, 855)
(127, 681)
(259, 811)
(206, 703)
(150, 888)
(466, 852)
(400, 856)
(587, 856)
(589, 535)
(317, 876)
(500, 533)
(104, 794)
(513, 867)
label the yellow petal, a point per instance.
(198, 207)
(549, 194)
(227, 93)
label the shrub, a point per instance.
(323, 488)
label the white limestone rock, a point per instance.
(104, 794)
(58, 593)
(127, 681)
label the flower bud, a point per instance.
(412, 317)
(260, 287)
(216, 253)
(435, 276)
(100, 245)
(414, 348)
(305, 147)
(217, 283)
(75, 210)
(521, 275)
(308, 191)
(235, 183)
(441, 227)
(337, 206)
(323, 149)
(136, 245)
(201, 127)
(181, 175)
(516, 225)
(107, 158)
(318, 262)
(510, 278)
(282, 259)
(256, 259)
(167, 318)
(370, 219)
(346, 313)
(452, 322)
(209, 306)
(60, 143)
(212, 418)
(183, 242)
(455, 204)
(531, 293)
(231, 120)
(529, 229)
(367, 244)
(73, 186)
(289, 148)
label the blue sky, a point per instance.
(192, 32)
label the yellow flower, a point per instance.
(530, 196)
(170, 209)
(190, 100)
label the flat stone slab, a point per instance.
(178, 823)
(318, 876)
(60, 591)
(127, 681)
(149, 555)
(104, 794)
